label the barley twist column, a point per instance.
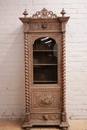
(26, 72)
(64, 75)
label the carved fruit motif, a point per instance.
(44, 100)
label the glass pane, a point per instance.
(45, 74)
(45, 61)
(45, 57)
(45, 43)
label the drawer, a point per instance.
(45, 119)
(43, 26)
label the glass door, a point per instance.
(45, 61)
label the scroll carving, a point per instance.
(44, 13)
(48, 27)
(41, 116)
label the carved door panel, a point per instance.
(45, 77)
(45, 106)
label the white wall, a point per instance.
(12, 101)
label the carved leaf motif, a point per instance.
(35, 26)
(41, 117)
(54, 117)
(35, 117)
(44, 13)
(46, 99)
(48, 27)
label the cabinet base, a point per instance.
(28, 128)
(61, 126)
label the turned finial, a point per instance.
(63, 12)
(25, 13)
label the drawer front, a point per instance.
(43, 26)
(45, 100)
(45, 119)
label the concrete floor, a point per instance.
(9, 124)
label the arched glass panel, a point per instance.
(45, 61)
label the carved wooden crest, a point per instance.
(44, 13)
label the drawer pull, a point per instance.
(45, 117)
(44, 25)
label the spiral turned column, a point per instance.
(26, 72)
(64, 76)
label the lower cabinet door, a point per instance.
(45, 106)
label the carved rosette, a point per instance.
(44, 13)
(64, 71)
(26, 71)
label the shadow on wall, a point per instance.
(12, 101)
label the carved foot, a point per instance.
(26, 128)
(64, 128)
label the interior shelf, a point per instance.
(45, 82)
(44, 50)
(44, 64)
